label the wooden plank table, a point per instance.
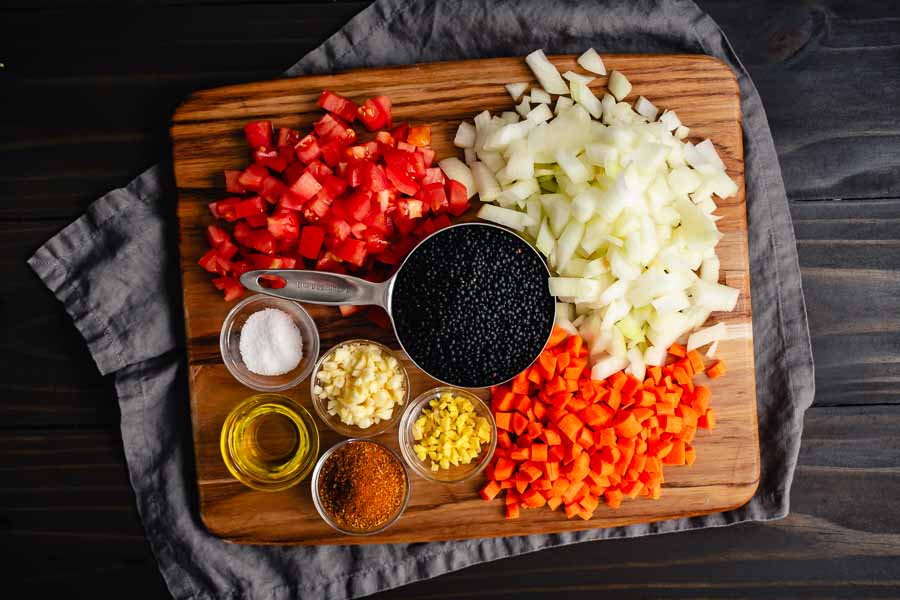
(67, 514)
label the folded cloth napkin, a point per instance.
(115, 271)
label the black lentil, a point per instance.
(471, 305)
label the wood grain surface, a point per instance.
(207, 134)
(68, 520)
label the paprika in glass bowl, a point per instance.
(360, 487)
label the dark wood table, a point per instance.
(88, 88)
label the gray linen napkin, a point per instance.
(115, 271)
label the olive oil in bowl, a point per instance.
(269, 442)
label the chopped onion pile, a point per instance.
(622, 208)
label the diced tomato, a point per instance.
(419, 136)
(231, 286)
(258, 133)
(318, 170)
(288, 136)
(386, 106)
(335, 186)
(272, 189)
(232, 185)
(339, 105)
(428, 155)
(399, 132)
(373, 115)
(308, 149)
(352, 251)
(338, 229)
(358, 230)
(376, 179)
(406, 147)
(260, 261)
(224, 209)
(331, 153)
(257, 221)
(269, 157)
(434, 196)
(328, 262)
(377, 223)
(286, 246)
(287, 153)
(240, 267)
(293, 172)
(216, 235)
(440, 222)
(359, 204)
(290, 201)
(311, 238)
(252, 177)
(214, 263)
(367, 151)
(458, 197)
(433, 175)
(249, 207)
(331, 128)
(377, 245)
(284, 225)
(405, 184)
(306, 187)
(317, 208)
(385, 139)
(227, 249)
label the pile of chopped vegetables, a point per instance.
(329, 201)
(617, 201)
(567, 440)
(450, 432)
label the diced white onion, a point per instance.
(539, 96)
(485, 183)
(582, 79)
(705, 336)
(516, 89)
(591, 61)
(645, 108)
(504, 216)
(618, 85)
(546, 73)
(465, 135)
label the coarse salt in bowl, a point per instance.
(231, 336)
(320, 402)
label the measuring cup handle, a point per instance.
(319, 287)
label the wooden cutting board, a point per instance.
(207, 138)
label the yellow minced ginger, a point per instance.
(450, 432)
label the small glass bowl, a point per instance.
(317, 501)
(230, 339)
(320, 404)
(273, 464)
(454, 474)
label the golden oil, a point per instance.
(269, 442)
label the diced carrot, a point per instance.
(690, 455)
(646, 398)
(671, 423)
(519, 423)
(490, 491)
(512, 511)
(573, 372)
(664, 408)
(573, 345)
(521, 486)
(586, 438)
(558, 335)
(701, 399)
(555, 385)
(600, 466)
(717, 369)
(551, 437)
(696, 361)
(547, 364)
(632, 385)
(529, 472)
(512, 497)
(681, 376)
(542, 484)
(678, 350)
(707, 421)
(572, 510)
(572, 492)
(688, 415)
(570, 425)
(676, 456)
(503, 439)
(632, 488)
(642, 414)
(560, 485)
(554, 502)
(589, 503)
(587, 390)
(629, 427)
(551, 470)
(504, 420)
(503, 469)
(562, 362)
(534, 376)
(506, 402)
(508, 483)
(571, 385)
(539, 452)
(560, 400)
(523, 404)
(608, 437)
(613, 498)
(557, 453)
(581, 467)
(655, 373)
(598, 415)
(572, 452)
(617, 380)
(521, 385)
(519, 454)
(539, 409)
(614, 400)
